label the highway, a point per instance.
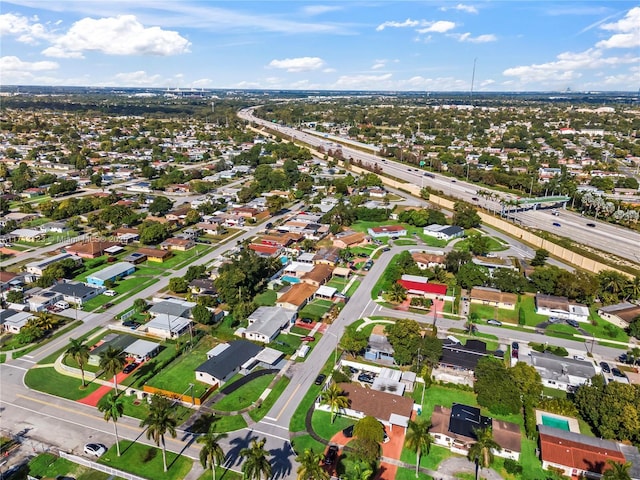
(610, 238)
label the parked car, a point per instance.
(554, 320)
(130, 368)
(309, 339)
(366, 377)
(573, 323)
(578, 357)
(348, 432)
(515, 346)
(95, 449)
(110, 293)
(319, 379)
(307, 321)
(617, 373)
(386, 249)
(331, 455)
(605, 367)
(493, 321)
(130, 324)
(623, 358)
(556, 224)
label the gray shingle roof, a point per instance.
(231, 358)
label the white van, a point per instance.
(110, 293)
(62, 305)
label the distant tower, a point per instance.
(213, 107)
(473, 78)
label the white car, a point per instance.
(110, 293)
(95, 449)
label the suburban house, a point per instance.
(325, 292)
(44, 299)
(621, 314)
(265, 323)
(387, 231)
(141, 350)
(379, 348)
(225, 360)
(296, 296)
(12, 320)
(172, 308)
(427, 260)
(37, 267)
(209, 228)
(579, 455)
(554, 306)
(494, 263)
(443, 232)
(28, 234)
(349, 239)
(392, 410)
(319, 275)
(127, 235)
(178, 244)
(76, 292)
(89, 249)
(167, 326)
(455, 428)
(298, 269)
(264, 250)
(493, 298)
(329, 256)
(465, 357)
(417, 285)
(111, 273)
(155, 254)
(562, 373)
(55, 227)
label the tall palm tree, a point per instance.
(617, 471)
(481, 452)
(113, 409)
(418, 438)
(79, 351)
(211, 453)
(45, 321)
(111, 361)
(310, 467)
(159, 422)
(336, 399)
(255, 461)
(397, 293)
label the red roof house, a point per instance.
(423, 288)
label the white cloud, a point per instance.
(301, 64)
(461, 8)
(139, 78)
(313, 10)
(378, 64)
(407, 23)
(121, 35)
(27, 30)
(364, 82)
(12, 64)
(202, 83)
(466, 37)
(328, 70)
(626, 31)
(441, 26)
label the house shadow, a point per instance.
(280, 461)
(233, 457)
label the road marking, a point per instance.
(286, 439)
(364, 309)
(274, 424)
(286, 404)
(15, 366)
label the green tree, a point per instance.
(111, 361)
(14, 296)
(465, 216)
(140, 305)
(495, 387)
(471, 275)
(617, 471)
(202, 314)
(353, 341)
(527, 380)
(634, 327)
(405, 336)
(160, 205)
(368, 433)
(256, 465)
(397, 293)
(335, 397)
(211, 453)
(113, 408)
(152, 233)
(159, 422)
(479, 244)
(79, 351)
(275, 203)
(481, 452)
(540, 257)
(418, 438)
(178, 285)
(310, 466)
(359, 471)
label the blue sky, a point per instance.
(337, 45)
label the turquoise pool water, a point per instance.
(555, 422)
(287, 278)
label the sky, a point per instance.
(389, 45)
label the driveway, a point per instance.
(453, 465)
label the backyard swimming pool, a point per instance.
(555, 422)
(287, 278)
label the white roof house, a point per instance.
(265, 323)
(167, 326)
(142, 349)
(15, 322)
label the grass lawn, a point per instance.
(338, 283)
(229, 423)
(384, 282)
(52, 358)
(527, 303)
(437, 395)
(297, 420)
(47, 380)
(50, 465)
(502, 314)
(146, 461)
(258, 413)
(245, 395)
(603, 329)
(322, 425)
(407, 474)
(266, 299)
(431, 461)
(178, 375)
(301, 443)
(221, 474)
(352, 289)
(404, 242)
(137, 409)
(289, 343)
(316, 309)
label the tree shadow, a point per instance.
(281, 461)
(232, 458)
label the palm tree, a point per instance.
(481, 452)
(113, 409)
(45, 321)
(397, 293)
(255, 461)
(111, 361)
(617, 471)
(335, 398)
(79, 351)
(359, 471)
(159, 422)
(418, 438)
(211, 453)
(310, 467)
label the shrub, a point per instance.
(512, 467)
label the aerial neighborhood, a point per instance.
(356, 287)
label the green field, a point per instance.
(146, 461)
(47, 380)
(180, 374)
(244, 396)
(316, 309)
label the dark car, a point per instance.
(331, 455)
(366, 378)
(617, 373)
(130, 368)
(605, 367)
(308, 321)
(515, 346)
(348, 432)
(556, 224)
(386, 249)
(319, 379)
(573, 323)
(130, 324)
(592, 225)
(309, 339)
(623, 358)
